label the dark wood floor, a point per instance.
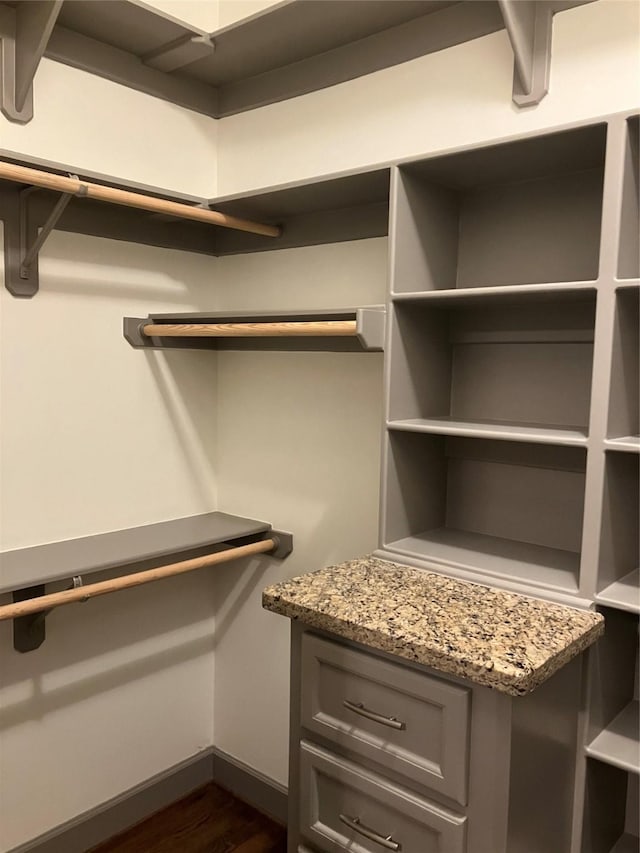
(210, 820)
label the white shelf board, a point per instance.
(619, 743)
(627, 443)
(538, 434)
(623, 593)
(492, 556)
(627, 844)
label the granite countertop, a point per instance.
(494, 638)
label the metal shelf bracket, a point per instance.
(529, 25)
(24, 33)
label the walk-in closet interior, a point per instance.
(325, 310)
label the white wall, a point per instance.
(86, 122)
(97, 436)
(459, 96)
(299, 444)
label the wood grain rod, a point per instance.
(299, 329)
(60, 183)
(84, 593)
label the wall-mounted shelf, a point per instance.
(282, 52)
(140, 554)
(345, 207)
(135, 547)
(341, 330)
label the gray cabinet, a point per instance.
(386, 753)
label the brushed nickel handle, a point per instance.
(358, 708)
(385, 840)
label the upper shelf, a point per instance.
(285, 51)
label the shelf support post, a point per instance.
(529, 25)
(25, 33)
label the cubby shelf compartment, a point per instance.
(367, 335)
(518, 213)
(619, 743)
(618, 574)
(611, 810)
(493, 508)
(501, 366)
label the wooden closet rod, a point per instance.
(332, 328)
(83, 593)
(60, 183)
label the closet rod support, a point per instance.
(29, 631)
(28, 254)
(31, 605)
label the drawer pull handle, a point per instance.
(358, 708)
(385, 840)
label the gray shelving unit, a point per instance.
(511, 450)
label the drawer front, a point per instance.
(402, 719)
(345, 807)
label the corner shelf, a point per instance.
(367, 333)
(281, 52)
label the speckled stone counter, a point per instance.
(494, 638)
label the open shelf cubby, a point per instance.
(613, 743)
(509, 368)
(521, 212)
(499, 509)
(611, 810)
(629, 249)
(624, 402)
(619, 560)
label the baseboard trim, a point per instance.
(250, 785)
(124, 811)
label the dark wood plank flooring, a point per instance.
(209, 820)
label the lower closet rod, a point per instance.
(83, 593)
(332, 328)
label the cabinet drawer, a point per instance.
(345, 807)
(402, 719)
